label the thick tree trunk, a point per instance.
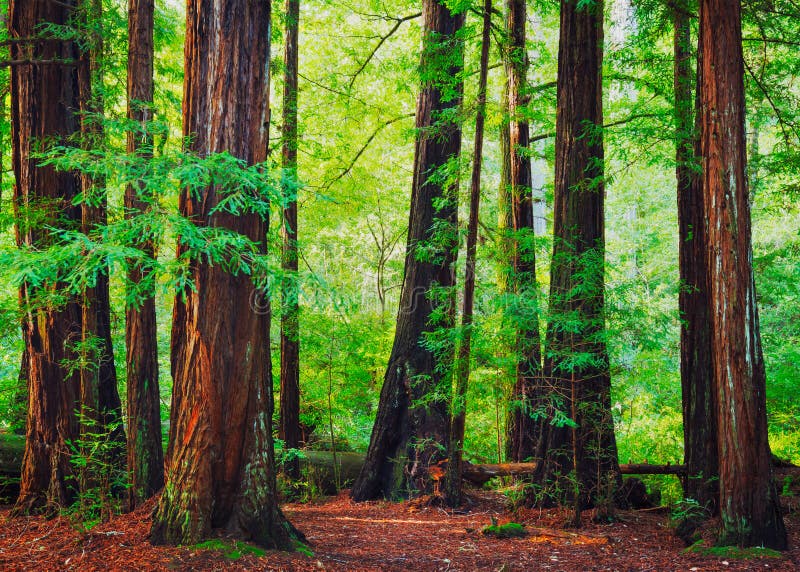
(522, 429)
(699, 399)
(101, 408)
(452, 489)
(220, 462)
(289, 429)
(749, 506)
(145, 454)
(43, 100)
(411, 425)
(579, 462)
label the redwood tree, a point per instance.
(411, 426)
(43, 100)
(145, 454)
(522, 428)
(220, 465)
(289, 429)
(749, 506)
(699, 399)
(579, 383)
(101, 408)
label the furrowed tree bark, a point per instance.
(43, 100)
(101, 408)
(412, 421)
(220, 462)
(749, 506)
(523, 431)
(579, 463)
(452, 486)
(699, 398)
(289, 429)
(145, 454)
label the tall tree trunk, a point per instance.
(43, 100)
(145, 454)
(504, 220)
(220, 462)
(522, 429)
(455, 445)
(577, 363)
(412, 423)
(749, 507)
(289, 429)
(699, 399)
(101, 408)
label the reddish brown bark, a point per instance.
(452, 489)
(145, 454)
(699, 399)
(411, 426)
(101, 408)
(289, 429)
(43, 101)
(577, 359)
(749, 507)
(220, 463)
(522, 428)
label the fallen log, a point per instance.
(330, 476)
(480, 474)
(318, 467)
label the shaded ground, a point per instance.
(382, 536)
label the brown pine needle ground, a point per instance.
(382, 536)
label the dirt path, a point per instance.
(381, 536)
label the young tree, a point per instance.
(699, 399)
(289, 429)
(44, 95)
(522, 429)
(145, 455)
(455, 445)
(749, 506)
(220, 462)
(580, 442)
(411, 426)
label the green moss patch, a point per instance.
(732, 552)
(231, 549)
(508, 530)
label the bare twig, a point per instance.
(398, 22)
(363, 148)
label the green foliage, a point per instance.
(96, 465)
(685, 509)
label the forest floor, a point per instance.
(343, 535)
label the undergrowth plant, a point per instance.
(100, 479)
